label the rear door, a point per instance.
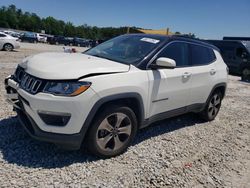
(203, 71)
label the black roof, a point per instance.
(196, 41)
(237, 38)
(168, 38)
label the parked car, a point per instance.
(41, 38)
(29, 37)
(67, 41)
(100, 98)
(236, 55)
(50, 39)
(8, 43)
(94, 43)
(81, 42)
(12, 33)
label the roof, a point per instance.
(196, 41)
(168, 38)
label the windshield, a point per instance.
(127, 49)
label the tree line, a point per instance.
(14, 18)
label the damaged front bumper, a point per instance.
(67, 141)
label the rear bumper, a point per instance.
(17, 46)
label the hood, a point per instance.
(63, 66)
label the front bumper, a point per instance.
(28, 106)
(71, 142)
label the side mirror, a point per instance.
(164, 62)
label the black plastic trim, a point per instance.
(158, 100)
(223, 84)
(102, 101)
(70, 142)
(172, 113)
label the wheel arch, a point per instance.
(9, 44)
(221, 87)
(132, 100)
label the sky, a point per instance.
(208, 19)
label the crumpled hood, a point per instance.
(63, 66)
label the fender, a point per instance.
(223, 84)
(110, 98)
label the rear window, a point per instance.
(201, 55)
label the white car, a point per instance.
(100, 98)
(8, 43)
(41, 37)
(12, 33)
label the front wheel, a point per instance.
(213, 106)
(112, 132)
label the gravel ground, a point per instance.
(179, 152)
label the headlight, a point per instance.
(66, 88)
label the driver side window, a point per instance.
(177, 51)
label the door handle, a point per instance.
(212, 71)
(186, 75)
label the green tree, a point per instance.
(11, 17)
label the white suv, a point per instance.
(100, 98)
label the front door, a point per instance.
(170, 88)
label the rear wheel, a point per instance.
(112, 132)
(213, 106)
(8, 47)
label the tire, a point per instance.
(8, 47)
(245, 76)
(112, 132)
(212, 107)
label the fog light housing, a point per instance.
(54, 118)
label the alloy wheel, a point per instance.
(214, 106)
(114, 132)
(8, 47)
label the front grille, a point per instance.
(28, 82)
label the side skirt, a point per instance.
(172, 113)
